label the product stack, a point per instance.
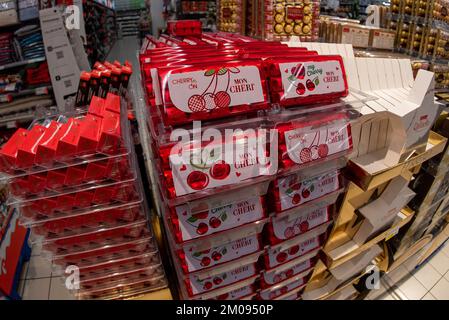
(422, 30)
(101, 30)
(246, 212)
(6, 48)
(75, 183)
(391, 148)
(29, 42)
(270, 19)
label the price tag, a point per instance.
(391, 233)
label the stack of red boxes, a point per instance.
(76, 185)
(247, 198)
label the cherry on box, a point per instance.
(291, 191)
(188, 225)
(307, 79)
(280, 277)
(280, 291)
(218, 257)
(196, 285)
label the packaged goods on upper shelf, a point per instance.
(184, 27)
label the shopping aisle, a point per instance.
(38, 280)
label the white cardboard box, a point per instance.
(381, 212)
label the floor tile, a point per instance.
(386, 296)
(447, 276)
(441, 290)
(428, 296)
(39, 267)
(58, 290)
(36, 289)
(440, 262)
(36, 249)
(427, 275)
(412, 288)
(397, 275)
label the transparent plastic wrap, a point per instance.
(309, 138)
(297, 267)
(96, 259)
(306, 79)
(197, 286)
(95, 240)
(284, 19)
(125, 288)
(110, 278)
(244, 292)
(211, 91)
(67, 140)
(220, 257)
(115, 216)
(280, 229)
(233, 159)
(76, 202)
(282, 290)
(190, 223)
(289, 191)
(295, 247)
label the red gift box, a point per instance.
(110, 132)
(276, 276)
(307, 79)
(290, 191)
(46, 150)
(20, 186)
(238, 294)
(37, 182)
(196, 285)
(279, 255)
(188, 225)
(214, 90)
(112, 103)
(96, 106)
(67, 145)
(282, 291)
(26, 151)
(311, 140)
(193, 259)
(75, 175)
(284, 228)
(84, 199)
(8, 152)
(96, 170)
(89, 134)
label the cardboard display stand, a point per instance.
(63, 67)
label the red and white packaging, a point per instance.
(195, 168)
(188, 225)
(307, 79)
(212, 91)
(279, 255)
(278, 291)
(196, 285)
(289, 191)
(284, 228)
(313, 139)
(193, 259)
(237, 294)
(276, 276)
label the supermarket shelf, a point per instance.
(21, 63)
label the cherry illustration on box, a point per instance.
(189, 225)
(281, 229)
(274, 277)
(196, 285)
(194, 260)
(270, 294)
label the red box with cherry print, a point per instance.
(221, 256)
(184, 27)
(296, 247)
(290, 191)
(245, 292)
(283, 228)
(197, 285)
(281, 291)
(188, 225)
(193, 167)
(281, 275)
(307, 79)
(212, 91)
(310, 138)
